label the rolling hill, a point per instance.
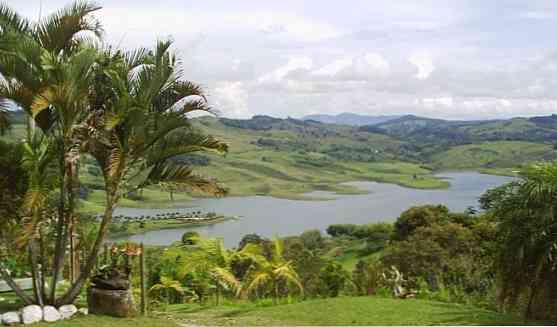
(289, 157)
(347, 118)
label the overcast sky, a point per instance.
(449, 59)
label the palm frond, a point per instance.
(227, 278)
(287, 273)
(182, 176)
(258, 280)
(58, 31)
(10, 19)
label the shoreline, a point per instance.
(150, 226)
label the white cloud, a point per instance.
(293, 64)
(232, 99)
(334, 67)
(441, 101)
(451, 59)
(423, 63)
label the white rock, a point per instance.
(67, 311)
(31, 314)
(11, 318)
(51, 314)
(83, 311)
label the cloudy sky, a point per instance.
(458, 59)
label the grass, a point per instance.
(341, 311)
(104, 321)
(493, 156)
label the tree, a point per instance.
(126, 109)
(366, 277)
(419, 216)
(140, 127)
(525, 213)
(210, 256)
(190, 238)
(270, 274)
(333, 277)
(42, 63)
(249, 239)
(312, 239)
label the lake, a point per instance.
(268, 216)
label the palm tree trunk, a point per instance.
(43, 263)
(35, 274)
(218, 292)
(17, 290)
(74, 290)
(59, 249)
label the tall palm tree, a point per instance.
(44, 68)
(270, 273)
(140, 127)
(526, 214)
(127, 109)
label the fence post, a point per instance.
(142, 272)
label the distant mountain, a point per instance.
(421, 131)
(347, 118)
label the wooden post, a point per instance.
(142, 271)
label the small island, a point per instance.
(124, 225)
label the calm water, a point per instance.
(269, 216)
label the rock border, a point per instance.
(33, 314)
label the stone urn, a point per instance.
(110, 294)
(115, 303)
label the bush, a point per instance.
(332, 277)
(421, 216)
(190, 238)
(312, 239)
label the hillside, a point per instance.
(289, 157)
(347, 118)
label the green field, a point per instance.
(291, 158)
(340, 311)
(492, 155)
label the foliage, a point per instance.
(269, 275)
(416, 217)
(525, 214)
(333, 278)
(367, 277)
(125, 109)
(190, 238)
(312, 239)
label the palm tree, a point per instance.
(526, 214)
(210, 255)
(140, 127)
(45, 72)
(127, 109)
(270, 273)
(167, 288)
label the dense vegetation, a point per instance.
(99, 126)
(125, 111)
(501, 259)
